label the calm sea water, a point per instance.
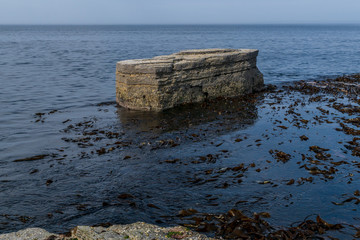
(68, 67)
(71, 69)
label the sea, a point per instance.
(52, 76)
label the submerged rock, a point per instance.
(186, 77)
(135, 231)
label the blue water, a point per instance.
(65, 67)
(71, 69)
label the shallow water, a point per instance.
(71, 69)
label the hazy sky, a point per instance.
(178, 12)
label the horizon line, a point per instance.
(166, 24)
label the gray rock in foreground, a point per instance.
(135, 231)
(29, 233)
(189, 76)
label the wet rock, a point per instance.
(186, 77)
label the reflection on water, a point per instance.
(240, 111)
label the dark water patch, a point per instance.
(23, 63)
(113, 103)
(34, 158)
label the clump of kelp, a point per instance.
(236, 225)
(346, 99)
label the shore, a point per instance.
(283, 163)
(135, 231)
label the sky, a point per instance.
(179, 12)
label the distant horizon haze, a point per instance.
(164, 12)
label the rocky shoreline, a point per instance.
(232, 225)
(135, 231)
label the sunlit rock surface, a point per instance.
(135, 231)
(189, 76)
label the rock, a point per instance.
(135, 231)
(189, 76)
(29, 233)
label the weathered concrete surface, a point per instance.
(189, 76)
(135, 231)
